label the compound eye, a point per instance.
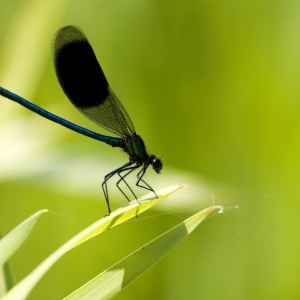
(156, 163)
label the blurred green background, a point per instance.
(213, 87)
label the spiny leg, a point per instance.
(106, 178)
(122, 178)
(140, 176)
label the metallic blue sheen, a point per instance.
(113, 141)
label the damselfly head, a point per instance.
(156, 163)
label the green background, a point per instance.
(212, 87)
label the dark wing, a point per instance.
(84, 82)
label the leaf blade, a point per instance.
(132, 209)
(10, 243)
(110, 282)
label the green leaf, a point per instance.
(131, 210)
(10, 243)
(14, 239)
(112, 281)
